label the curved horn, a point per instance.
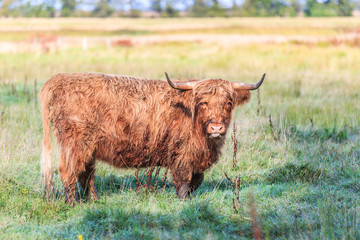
(247, 86)
(180, 86)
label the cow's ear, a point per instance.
(183, 101)
(242, 96)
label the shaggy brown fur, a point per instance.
(130, 123)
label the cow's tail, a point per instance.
(46, 161)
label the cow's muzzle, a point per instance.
(216, 130)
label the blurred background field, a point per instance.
(301, 168)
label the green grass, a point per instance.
(306, 184)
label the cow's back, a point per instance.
(118, 119)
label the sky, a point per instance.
(141, 4)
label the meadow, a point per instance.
(298, 139)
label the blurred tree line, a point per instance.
(176, 8)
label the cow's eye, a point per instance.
(229, 103)
(203, 103)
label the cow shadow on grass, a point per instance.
(112, 184)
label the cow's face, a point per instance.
(214, 102)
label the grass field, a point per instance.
(300, 176)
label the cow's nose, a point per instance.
(216, 127)
(216, 130)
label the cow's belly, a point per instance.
(126, 155)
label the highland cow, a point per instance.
(134, 123)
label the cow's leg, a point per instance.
(183, 191)
(69, 181)
(181, 179)
(196, 181)
(87, 180)
(69, 178)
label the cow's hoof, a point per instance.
(95, 197)
(183, 192)
(69, 202)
